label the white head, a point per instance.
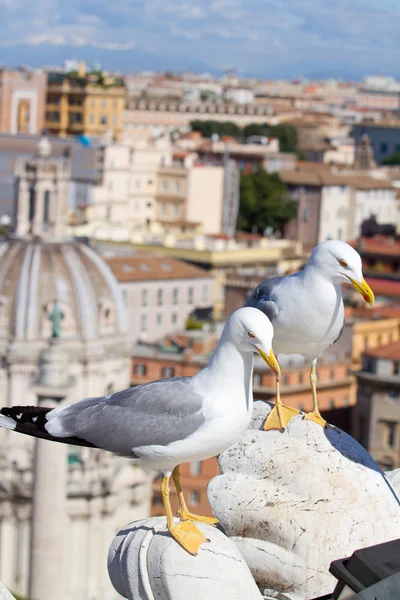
(251, 331)
(340, 263)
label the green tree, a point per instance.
(287, 136)
(393, 159)
(256, 129)
(263, 202)
(208, 128)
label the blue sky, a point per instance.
(265, 38)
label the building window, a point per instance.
(175, 295)
(163, 208)
(103, 120)
(174, 318)
(108, 213)
(32, 199)
(393, 396)
(190, 295)
(143, 324)
(160, 297)
(145, 297)
(137, 184)
(332, 374)
(114, 119)
(389, 433)
(257, 379)
(124, 294)
(46, 210)
(159, 319)
(167, 372)
(301, 378)
(195, 468)
(140, 369)
(205, 293)
(164, 185)
(384, 148)
(103, 103)
(331, 404)
(285, 380)
(177, 210)
(346, 401)
(194, 497)
(91, 118)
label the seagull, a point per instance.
(307, 313)
(167, 422)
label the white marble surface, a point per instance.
(4, 593)
(295, 501)
(145, 563)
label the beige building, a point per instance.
(165, 115)
(85, 103)
(22, 101)
(142, 191)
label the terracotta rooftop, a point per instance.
(318, 177)
(149, 268)
(389, 352)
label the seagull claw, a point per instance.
(280, 416)
(188, 536)
(316, 417)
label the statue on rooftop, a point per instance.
(55, 317)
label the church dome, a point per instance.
(34, 273)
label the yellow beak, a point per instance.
(363, 289)
(271, 361)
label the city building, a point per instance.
(333, 204)
(144, 189)
(384, 135)
(168, 115)
(85, 103)
(84, 172)
(22, 101)
(377, 415)
(45, 273)
(160, 293)
(222, 254)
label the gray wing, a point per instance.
(263, 297)
(156, 413)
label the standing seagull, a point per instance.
(307, 313)
(167, 422)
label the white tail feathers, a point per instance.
(7, 422)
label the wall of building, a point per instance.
(22, 101)
(334, 213)
(151, 319)
(382, 203)
(205, 197)
(384, 140)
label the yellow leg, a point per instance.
(281, 414)
(184, 512)
(315, 415)
(185, 533)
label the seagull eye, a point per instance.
(342, 262)
(251, 335)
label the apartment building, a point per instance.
(85, 103)
(333, 204)
(160, 293)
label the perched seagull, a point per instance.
(167, 422)
(307, 313)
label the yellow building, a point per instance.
(85, 103)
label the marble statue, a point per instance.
(290, 503)
(145, 563)
(295, 501)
